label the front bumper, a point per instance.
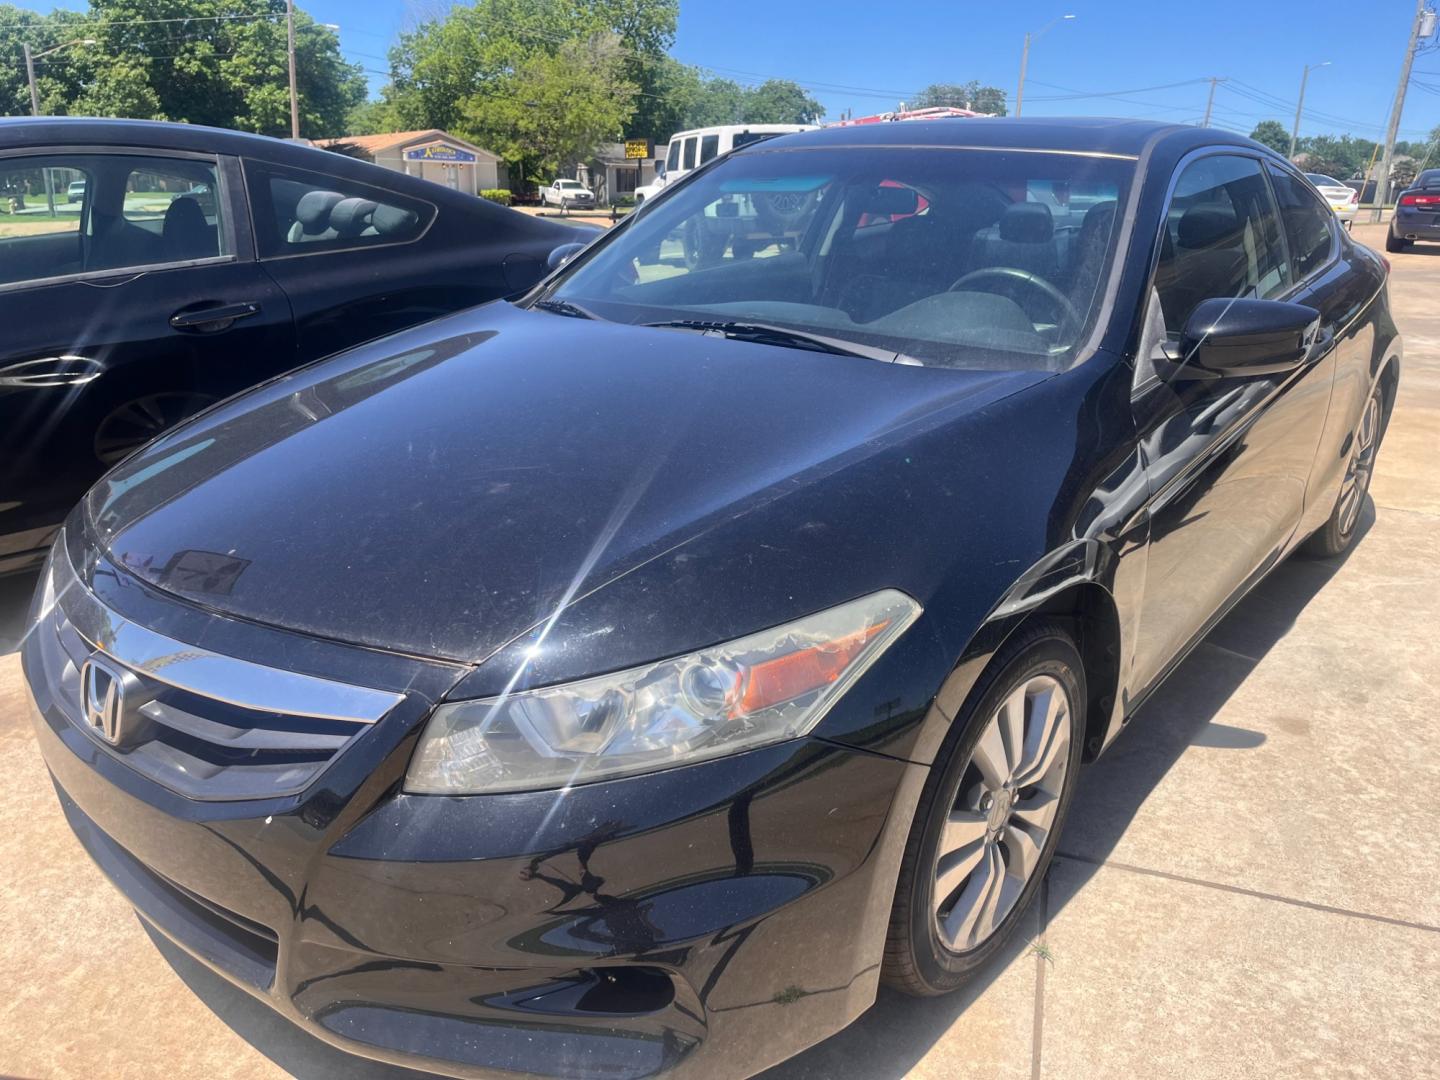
(710, 920)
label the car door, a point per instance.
(359, 261)
(124, 312)
(1227, 458)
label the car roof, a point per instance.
(1089, 134)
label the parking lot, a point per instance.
(1246, 886)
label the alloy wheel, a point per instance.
(131, 425)
(1361, 465)
(1003, 813)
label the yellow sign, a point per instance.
(636, 149)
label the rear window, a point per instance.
(301, 213)
(1309, 223)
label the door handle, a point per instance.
(212, 319)
(50, 372)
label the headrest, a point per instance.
(1099, 216)
(1205, 226)
(313, 209)
(351, 217)
(389, 220)
(183, 213)
(1027, 223)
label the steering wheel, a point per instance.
(1013, 273)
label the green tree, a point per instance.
(1272, 133)
(780, 101)
(210, 64)
(556, 108)
(971, 95)
(720, 101)
(1340, 156)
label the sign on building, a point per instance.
(450, 155)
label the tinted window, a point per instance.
(301, 212)
(1309, 224)
(690, 153)
(709, 147)
(77, 213)
(673, 161)
(1221, 238)
(908, 250)
(1428, 178)
(179, 199)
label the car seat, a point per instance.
(185, 234)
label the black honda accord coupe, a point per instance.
(628, 679)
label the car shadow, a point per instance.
(891, 1037)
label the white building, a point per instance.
(431, 155)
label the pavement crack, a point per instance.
(1041, 959)
(1258, 894)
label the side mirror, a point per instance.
(562, 254)
(1245, 337)
(659, 169)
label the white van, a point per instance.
(690, 149)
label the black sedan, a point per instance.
(148, 270)
(629, 679)
(1417, 213)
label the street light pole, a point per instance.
(1382, 187)
(1025, 59)
(290, 45)
(1299, 105)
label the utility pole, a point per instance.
(30, 74)
(1210, 101)
(1019, 92)
(1382, 188)
(290, 45)
(1025, 59)
(1300, 105)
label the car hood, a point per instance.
(444, 490)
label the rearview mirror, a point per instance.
(891, 201)
(1244, 337)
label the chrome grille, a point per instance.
(206, 726)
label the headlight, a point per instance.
(760, 689)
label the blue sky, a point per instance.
(867, 56)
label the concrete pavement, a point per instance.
(1246, 886)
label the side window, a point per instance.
(178, 201)
(690, 152)
(69, 214)
(709, 147)
(299, 213)
(42, 203)
(672, 162)
(1221, 238)
(1309, 224)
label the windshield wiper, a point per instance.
(770, 334)
(565, 307)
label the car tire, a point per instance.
(1393, 243)
(948, 921)
(1338, 533)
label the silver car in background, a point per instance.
(1343, 199)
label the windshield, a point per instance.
(568, 183)
(954, 257)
